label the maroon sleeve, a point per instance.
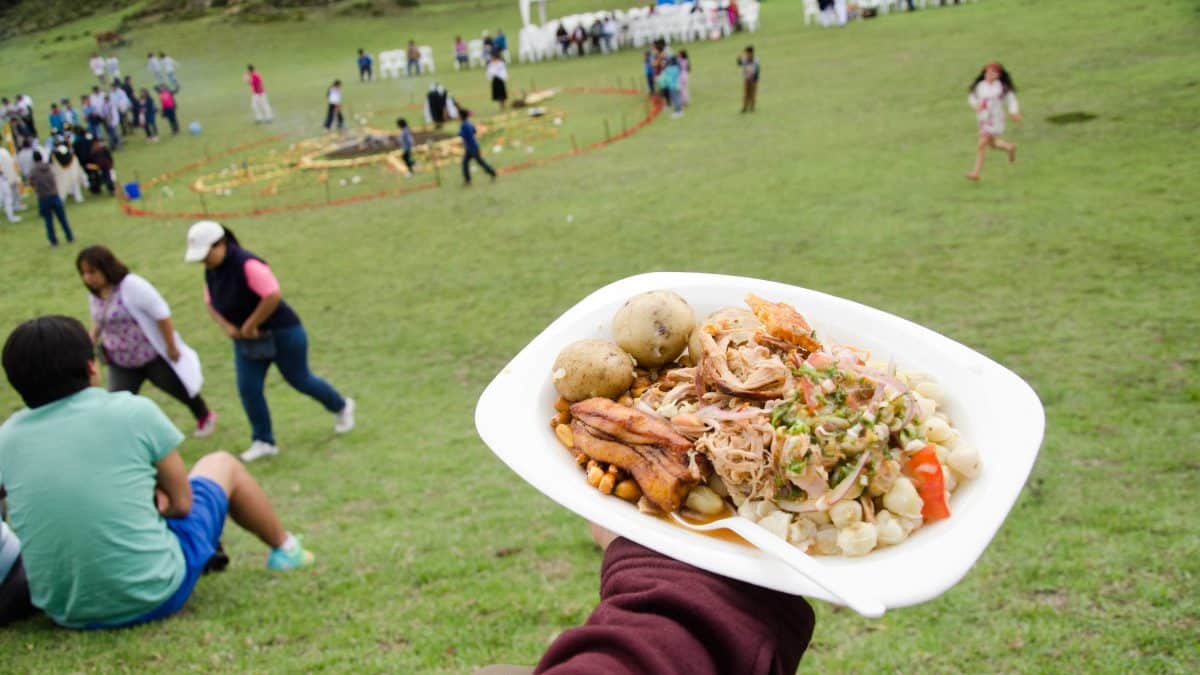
(658, 615)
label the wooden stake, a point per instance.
(607, 133)
(574, 144)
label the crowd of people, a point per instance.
(74, 151)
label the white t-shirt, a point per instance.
(497, 68)
(335, 96)
(169, 64)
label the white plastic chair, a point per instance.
(391, 63)
(750, 16)
(812, 11)
(475, 53)
(425, 62)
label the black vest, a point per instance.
(231, 295)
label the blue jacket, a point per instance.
(467, 132)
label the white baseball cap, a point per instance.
(200, 238)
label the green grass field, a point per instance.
(1077, 267)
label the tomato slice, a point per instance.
(926, 472)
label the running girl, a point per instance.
(991, 91)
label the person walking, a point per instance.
(750, 71)
(245, 300)
(169, 67)
(166, 101)
(991, 92)
(112, 69)
(406, 145)
(154, 65)
(258, 97)
(497, 73)
(96, 65)
(132, 328)
(50, 204)
(461, 58)
(466, 131)
(333, 96)
(364, 66)
(668, 84)
(149, 115)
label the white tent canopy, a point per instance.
(525, 11)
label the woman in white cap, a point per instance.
(244, 298)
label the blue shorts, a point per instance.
(198, 532)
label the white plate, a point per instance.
(991, 406)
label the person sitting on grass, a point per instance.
(14, 586)
(114, 530)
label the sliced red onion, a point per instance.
(847, 482)
(911, 412)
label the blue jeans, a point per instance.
(291, 358)
(49, 207)
(413, 67)
(474, 154)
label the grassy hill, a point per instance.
(1076, 267)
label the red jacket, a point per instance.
(658, 615)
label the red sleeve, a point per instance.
(658, 615)
(260, 278)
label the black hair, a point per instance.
(401, 122)
(101, 259)
(46, 359)
(229, 238)
(1005, 80)
(249, 66)
(37, 156)
(749, 49)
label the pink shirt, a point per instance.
(259, 278)
(256, 83)
(168, 100)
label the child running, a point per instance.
(989, 93)
(406, 144)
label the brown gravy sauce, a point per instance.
(701, 519)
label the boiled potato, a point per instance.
(738, 320)
(654, 327)
(591, 368)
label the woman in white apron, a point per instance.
(132, 328)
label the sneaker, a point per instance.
(280, 560)
(344, 421)
(207, 425)
(258, 450)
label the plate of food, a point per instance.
(887, 452)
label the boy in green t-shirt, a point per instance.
(114, 530)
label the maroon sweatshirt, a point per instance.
(658, 615)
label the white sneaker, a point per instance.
(258, 450)
(344, 421)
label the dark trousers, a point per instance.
(169, 113)
(291, 358)
(49, 208)
(14, 595)
(364, 73)
(749, 94)
(334, 112)
(103, 178)
(151, 127)
(650, 81)
(161, 375)
(408, 159)
(470, 154)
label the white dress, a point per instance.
(988, 99)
